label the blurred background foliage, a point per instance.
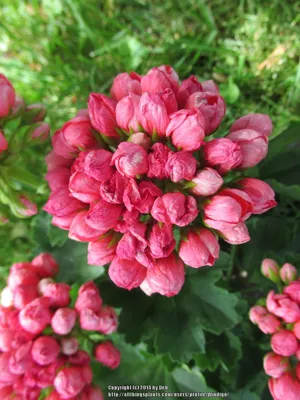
(58, 51)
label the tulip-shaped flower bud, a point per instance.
(293, 291)
(23, 295)
(130, 159)
(22, 275)
(102, 251)
(69, 346)
(89, 320)
(199, 248)
(142, 139)
(112, 190)
(108, 320)
(222, 154)
(140, 196)
(124, 84)
(175, 208)
(69, 382)
(102, 112)
(60, 204)
(258, 122)
(154, 111)
(253, 145)
(269, 324)
(288, 273)
(181, 165)
(186, 129)
(270, 269)
(285, 387)
(167, 276)
(88, 297)
(35, 113)
(262, 195)
(63, 320)
(45, 350)
(237, 235)
(3, 143)
(298, 371)
(275, 365)
(257, 313)
(58, 294)
(282, 306)
(84, 188)
(227, 209)
(35, 316)
(78, 134)
(284, 343)
(157, 161)
(160, 78)
(206, 182)
(296, 330)
(40, 132)
(7, 96)
(127, 274)
(211, 106)
(103, 216)
(210, 86)
(94, 393)
(97, 164)
(45, 265)
(28, 207)
(79, 230)
(187, 87)
(21, 359)
(107, 354)
(127, 113)
(161, 241)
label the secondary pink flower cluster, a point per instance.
(281, 319)
(41, 335)
(31, 121)
(134, 166)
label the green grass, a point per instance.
(57, 51)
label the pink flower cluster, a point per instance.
(41, 335)
(135, 166)
(281, 319)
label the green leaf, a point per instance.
(223, 350)
(290, 191)
(141, 368)
(283, 161)
(244, 394)
(57, 237)
(176, 324)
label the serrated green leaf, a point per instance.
(176, 324)
(223, 350)
(141, 368)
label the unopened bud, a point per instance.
(40, 132)
(34, 113)
(288, 273)
(270, 269)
